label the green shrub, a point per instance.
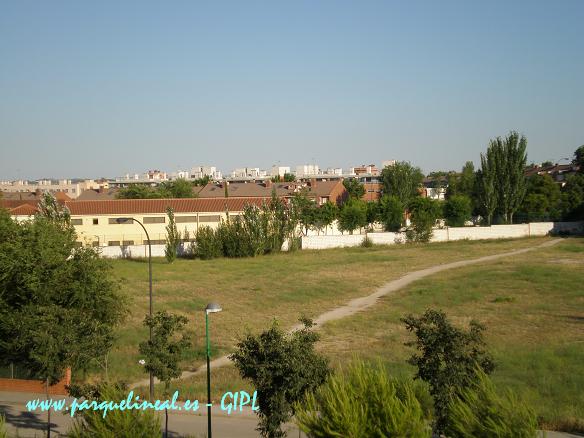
(207, 244)
(129, 424)
(478, 411)
(424, 212)
(457, 210)
(392, 213)
(3, 433)
(367, 242)
(364, 402)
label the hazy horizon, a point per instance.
(105, 89)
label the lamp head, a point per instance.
(213, 308)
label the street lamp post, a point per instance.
(211, 308)
(123, 220)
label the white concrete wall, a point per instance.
(448, 234)
(131, 251)
(348, 240)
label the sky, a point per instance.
(90, 89)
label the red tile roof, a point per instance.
(13, 203)
(138, 206)
(24, 210)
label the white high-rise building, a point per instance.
(199, 172)
(386, 163)
(248, 172)
(306, 170)
(280, 170)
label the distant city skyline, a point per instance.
(109, 88)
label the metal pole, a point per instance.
(208, 376)
(150, 284)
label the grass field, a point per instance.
(532, 305)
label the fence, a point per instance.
(449, 234)
(323, 241)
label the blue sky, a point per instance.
(92, 89)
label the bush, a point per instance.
(365, 402)
(208, 245)
(283, 367)
(424, 212)
(447, 357)
(130, 423)
(478, 411)
(367, 242)
(457, 210)
(353, 215)
(392, 213)
(3, 433)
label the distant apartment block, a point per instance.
(152, 178)
(369, 169)
(334, 171)
(279, 170)
(73, 188)
(249, 172)
(307, 170)
(199, 172)
(387, 163)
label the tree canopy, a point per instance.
(58, 302)
(403, 181)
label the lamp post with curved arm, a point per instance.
(123, 220)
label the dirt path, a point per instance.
(359, 304)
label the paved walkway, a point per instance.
(359, 304)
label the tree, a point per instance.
(572, 198)
(283, 368)
(306, 209)
(363, 402)
(129, 423)
(391, 213)
(457, 210)
(49, 208)
(510, 157)
(479, 411)
(424, 212)
(462, 183)
(328, 212)
(201, 181)
(172, 237)
(163, 353)
(579, 158)
(542, 199)
(137, 191)
(353, 215)
(372, 212)
(403, 181)
(178, 188)
(289, 177)
(486, 185)
(447, 358)
(58, 303)
(354, 188)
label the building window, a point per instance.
(95, 221)
(76, 221)
(154, 242)
(185, 219)
(154, 220)
(214, 218)
(113, 243)
(127, 242)
(123, 220)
